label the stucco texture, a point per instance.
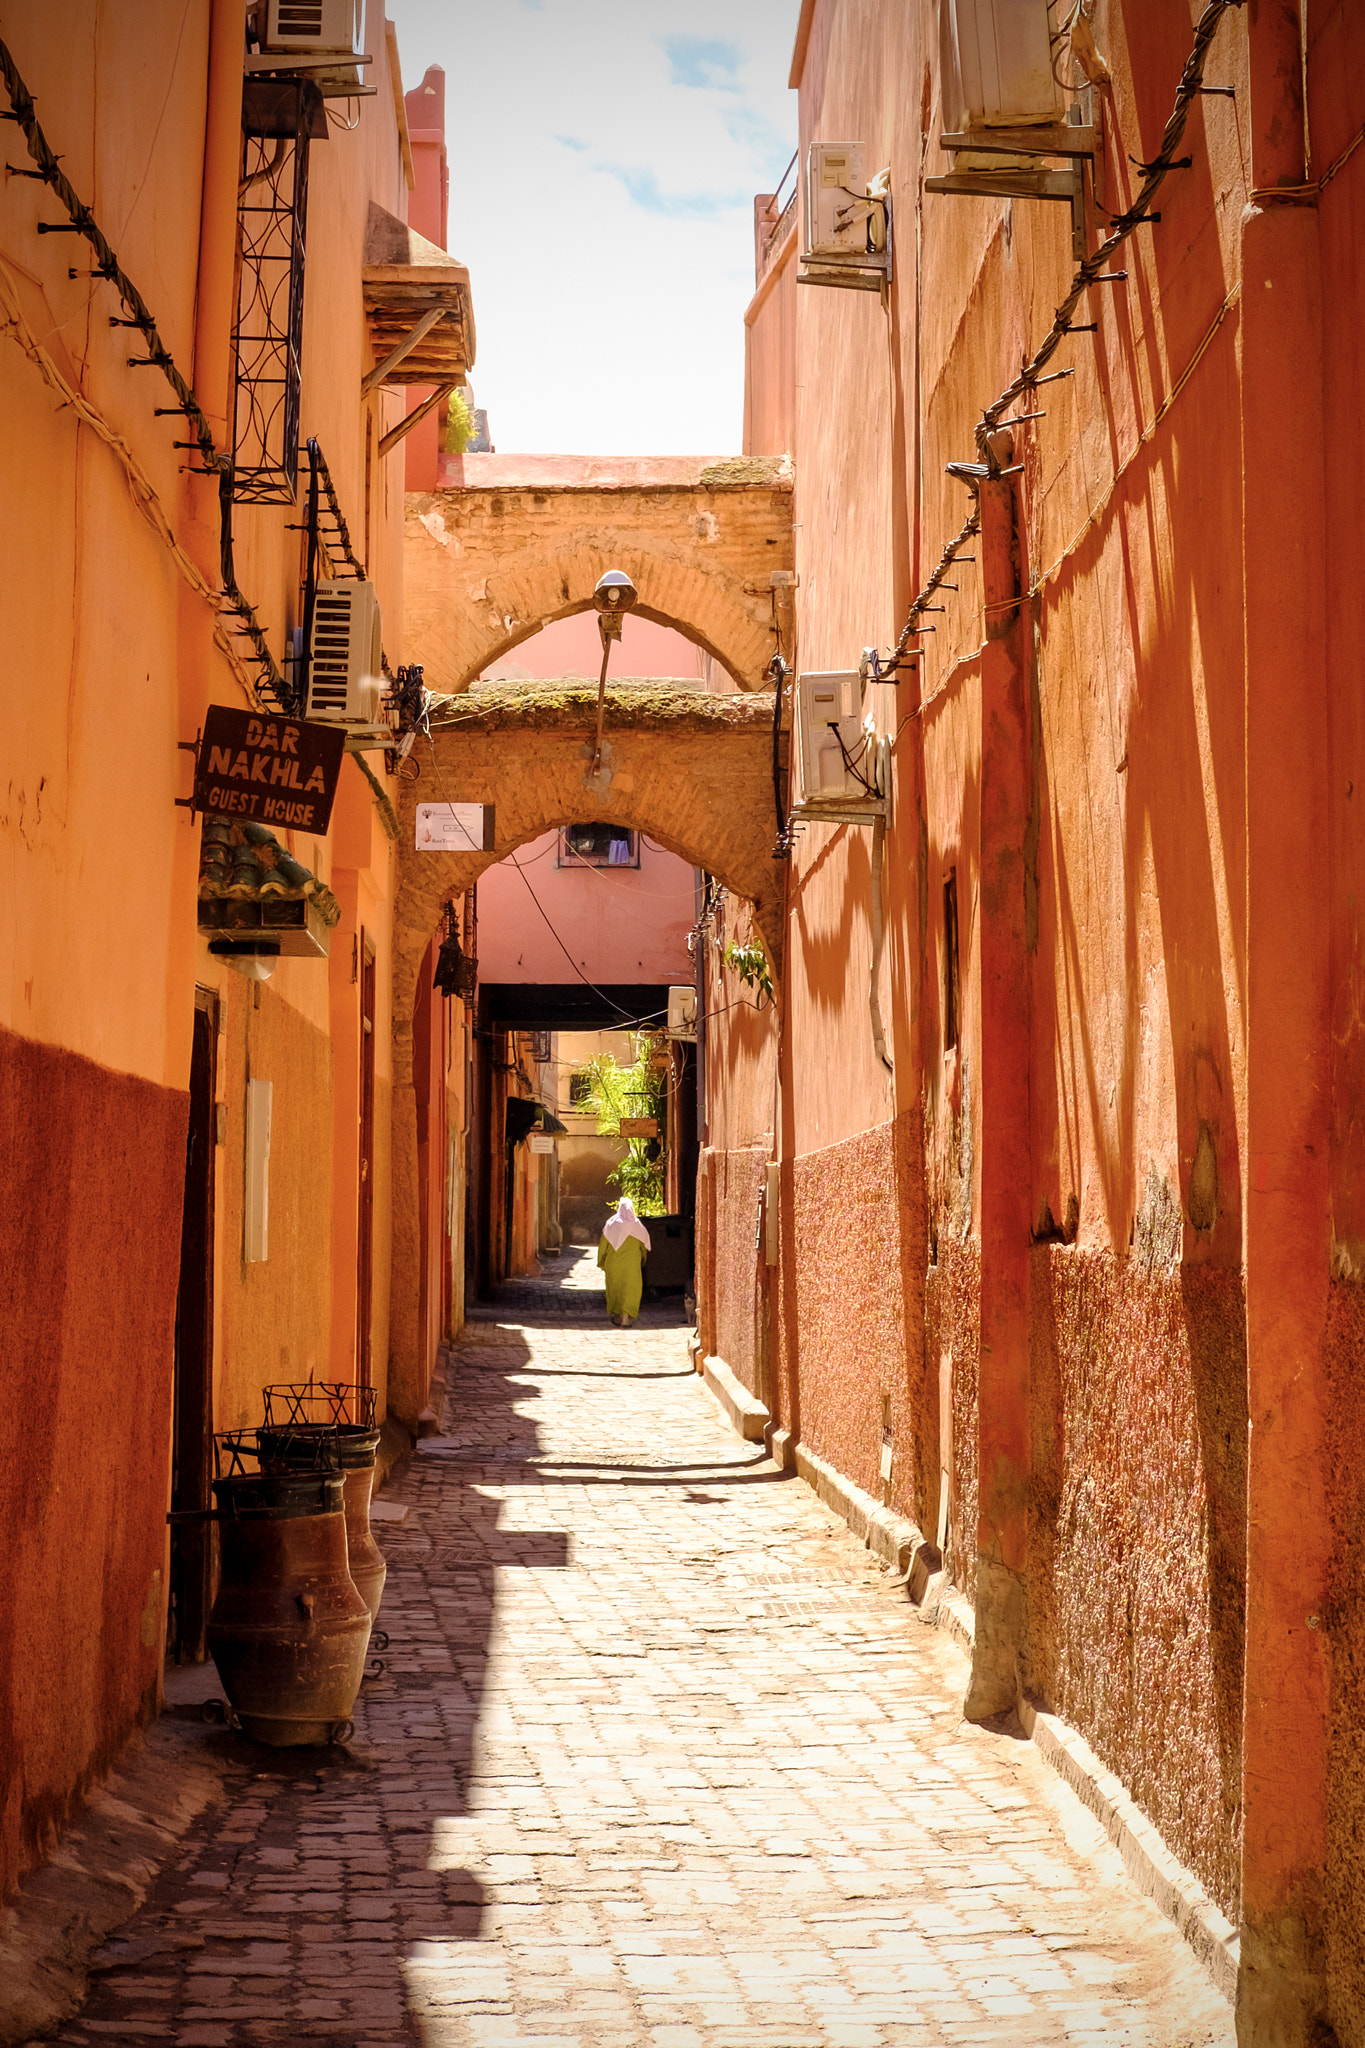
(87, 1311)
(952, 1349)
(277, 1311)
(850, 1350)
(1345, 1618)
(1137, 1544)
(736, 1271)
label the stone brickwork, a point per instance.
(693, 771)
(523, 540)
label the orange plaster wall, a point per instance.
(276, 1322)
(1135, 860)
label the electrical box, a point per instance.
(345, 686)
(996, 65)
(682, 1013)
(836, 199)
(256, 1205)
(327, 28)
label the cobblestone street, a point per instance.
(660, 1756)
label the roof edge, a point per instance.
(803, 29)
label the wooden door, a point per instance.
(191, 1562)
(364, 1293)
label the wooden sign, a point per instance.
(639, 1127)
(278, 771)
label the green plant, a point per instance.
(458, 429)
(613, 1091)
(751, 965)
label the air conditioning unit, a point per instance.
(996, 65)
(326, 28)
(345, 686)
(829, 722)
(836, 199)
(682, 1013)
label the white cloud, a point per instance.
(604, 155)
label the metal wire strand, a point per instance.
(988, 466)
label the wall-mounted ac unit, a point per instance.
(682, 1013)
(326, 28)
(345, 686)
(996, 65)
(829, 722)
(836, 188)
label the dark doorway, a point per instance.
(364, 1290)
(191, 1563)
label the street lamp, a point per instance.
(613, 598)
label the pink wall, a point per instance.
(572, 647)
(428, 212)
(617, 924)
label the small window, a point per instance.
(598, 846)
(951, 989)
(580, 1089)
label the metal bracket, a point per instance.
(1065, 185)
(187, 803)
(863, 272)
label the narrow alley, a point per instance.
(659, 1755)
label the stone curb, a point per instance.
(1159, 1875)
(746, 1415)
(99, 1874)
(1153, 1869)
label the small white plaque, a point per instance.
(454, 828)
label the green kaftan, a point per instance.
(625, 1270)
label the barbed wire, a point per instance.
(988, 467)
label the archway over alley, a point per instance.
(692, 770)
(518, 541)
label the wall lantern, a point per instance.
(614, 596)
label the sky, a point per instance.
(604, 156)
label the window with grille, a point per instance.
(598, 846)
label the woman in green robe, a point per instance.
(621, 1252)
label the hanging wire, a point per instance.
(1088, 272)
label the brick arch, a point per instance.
(523, 633)
(516, 542)
(691, 770)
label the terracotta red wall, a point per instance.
(1346, 1621)
(88, 1280)
(850, 1355)
(1137, 1580)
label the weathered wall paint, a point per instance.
(87, 1309)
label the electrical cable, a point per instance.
(141, 489)
(988, 467)
(512, 861)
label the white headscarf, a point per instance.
(625, 1223)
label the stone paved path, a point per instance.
(661, 1759)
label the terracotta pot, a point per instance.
(299, 1447)
(289, 1631)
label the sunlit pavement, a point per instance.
(659, 1756)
